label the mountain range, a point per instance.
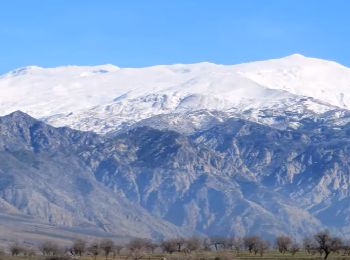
(176, 150)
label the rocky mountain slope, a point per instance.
(237, 177)
(43, 176)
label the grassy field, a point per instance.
(200, 255)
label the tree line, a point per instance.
(322, 243)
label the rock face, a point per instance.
(237, 177)
(42, 175)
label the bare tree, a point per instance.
(346, 247)
(294, 248)
(169, 246)
(179, 242)
(16, 249)
(94, 249)
(308, 244)
(262, 246)
(283, 243)
(151, 246)
(30, 252)
(193, 244)
(228, 242)
(137, 247)
(49, 248)
(116, 250)
(106, 245)
(206, 244)
(326, 243)
(237, 244)
(251, 243)
(78, 247)
(218, 242)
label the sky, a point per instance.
(130, 33)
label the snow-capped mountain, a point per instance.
(261, 147)
(107, 98)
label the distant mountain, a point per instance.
(176, 150)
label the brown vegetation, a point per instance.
(319, 245)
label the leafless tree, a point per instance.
(206, 244)
(228, 243)
(94, 249)
(179, 242)
(251, 243)
(173, 245)
(193, 244)
(151, 246)
(237, 244)
(262, 246)
(16, 249)
(308, 244)
(218, 242)
(169, 246)
(78, 247)
(116, 250)
(49, 248)
(29, 252)
(294, 248)
(283, 243)
(106, 245)
(137, 247)
(346, 247)
(326, 243)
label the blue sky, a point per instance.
(140, 33)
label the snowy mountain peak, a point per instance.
(23, 71)
(86, 96)
(39, 71)
(299, 58)
(296, 56)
